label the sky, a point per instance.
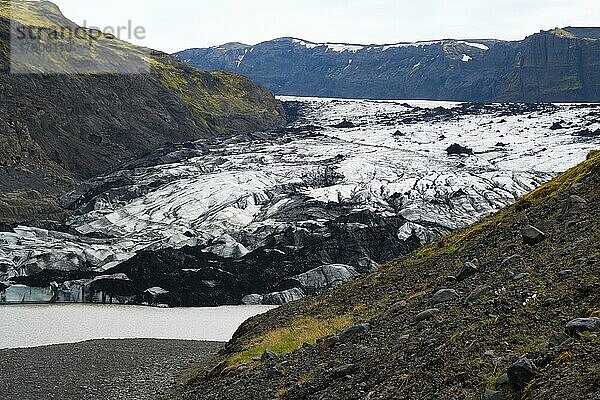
(180, 24)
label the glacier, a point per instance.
(227, 205)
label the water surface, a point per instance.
(40, 325)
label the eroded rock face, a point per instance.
(214, 221)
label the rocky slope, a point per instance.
(560, 65)
(507, 308)
(98, 105)
(272, 217)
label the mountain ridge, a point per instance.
(539, 68)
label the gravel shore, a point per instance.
(139, 369)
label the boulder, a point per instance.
(444, 296)
(521, 372)
(468, 270)
(578, 326)
(532, 235)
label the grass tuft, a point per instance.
(285, 340)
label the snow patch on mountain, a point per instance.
(476, 45)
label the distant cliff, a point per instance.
(61, 127)
(558, 65)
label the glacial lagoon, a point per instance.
(31, 325)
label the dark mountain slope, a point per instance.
(558, 65)
(58, 128)
(502, 299)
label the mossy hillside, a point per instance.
(444, 356)
(213, 97)
(31, 13)
(100, 102)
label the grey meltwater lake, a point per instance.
(26, 325)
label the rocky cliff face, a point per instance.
(62, 127)
(505, 309)
(559, 65)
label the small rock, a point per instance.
(478, 292)
(427, 314)
(557, 125)
(354, 331)
(557, 339)
(565, 273)
(520, 276)
(550, 301)
(343, 371)
(467, 271)
(576, 327)
(493, 395)
(365, 352)
(329, 341)
(444, 295)
(532, 235)
(490, 353)
(397, 307)
(520, 373)
(502, 380)
(574, 205)
(268, 356)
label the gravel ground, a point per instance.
(138, 369)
